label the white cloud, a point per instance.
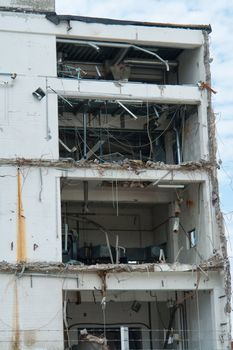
(170, 10)
(225, 128)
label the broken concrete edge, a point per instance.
(57, 18)
(24, 10)
(33, 6)
(124, 165)
(214, 179)
(215, 263)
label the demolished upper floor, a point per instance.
(116, 89)
(101, 48)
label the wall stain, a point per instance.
(29, 338)
(21, 235)
(15, 320)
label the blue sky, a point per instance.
(219, 14)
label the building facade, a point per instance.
(110, 219)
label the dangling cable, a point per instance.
(103, 305)
(117, 203)
(148, 130)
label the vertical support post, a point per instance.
(58, 207)
(150, 325)
(178, 146)
(168, 148)
(124, 338)
(48, 132)
(84, 135)
(203, 127)
(174, 246)
(85, 197)
(66, 237)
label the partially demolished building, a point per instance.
(111, 232)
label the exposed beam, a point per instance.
(166, 281)
(107, 90)
(93, 150)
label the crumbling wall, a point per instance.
(33, 5)
(214, 179)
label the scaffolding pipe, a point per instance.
(177, 145)
(66, 237)
(120, 45)
(84, 136)
(85, 196)
(153, 54)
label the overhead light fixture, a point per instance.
(130, 101)
(156, 112)
(39, 94)
(127, 110)
(171, 186)
(98, 71)
(94, 46)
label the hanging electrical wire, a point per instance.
(148, 130)
(147, 144)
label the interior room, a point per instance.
(120, 130)
(77, 59)
(136, 320)
(126, 222)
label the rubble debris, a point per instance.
(214, 179)
(214, 263)
(202, 85)
(132, 165)
(86, 337)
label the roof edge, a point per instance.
(27, 11)
(56, 19)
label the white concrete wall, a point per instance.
(191, 66)
(202, 332)
(23, 119)
(195, 214)
(181, 38)
(28, 54)
(31, 313)
(191, 148)
(40, 198)
(108, 90)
